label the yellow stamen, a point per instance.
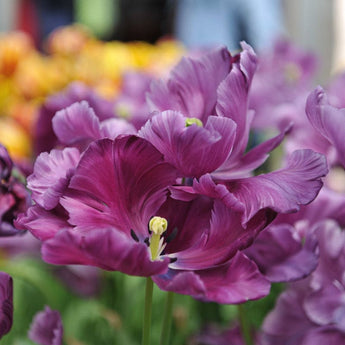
(193, 120)
(157, 226)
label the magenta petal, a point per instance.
(76, 122)
(282, 190)
(236, 281)
(6, 303)
(280, 255)
(191, 88)
(41, 223)
(119, 183)
(232, 100)
(206, 186)
(327, 120)
(193, 150)
(243, 166)
(46, 328)
(224, 238)
(108, 248)
(111, 128)
(51, 176)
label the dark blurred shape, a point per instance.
(52, 14)
(144, 20)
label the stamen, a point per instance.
(157, 226)
(193, 121)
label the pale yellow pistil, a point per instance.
(157, 226)
(193, 120)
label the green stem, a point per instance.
(245, 327)
(147, 312)
(165, 335)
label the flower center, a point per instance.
(157, 225)
(193, 120)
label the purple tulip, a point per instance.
(6, 303)
(45, 138)
(312, 311)
(280, 85)
(46, 328)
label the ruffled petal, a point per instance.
(327, 120)
(321, 305)
(244, 166)
(192, 86)
(6, 303)
(283, 190)
(105, 248)
(75, 123)
(236, 281)
(46, 328)
(41, 223)
(193, 150)
(51, 175)
(124, 181)
(220, 243)
(111, 128)
(280, 255)
(232, 96)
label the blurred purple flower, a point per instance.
(280, 85)
(328, 121)
(46, 328)
(130, 103)
(6, 303)
(14, 198)
(44, 137)
(312, 311)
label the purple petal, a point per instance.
(41, 223)
(192, 86)
(75, 123)
(283, 190)
(45, 138)
(236, 281)
(46, 328)
(321, 306)
(327, 120)
(331, 240)
(111, 128)
(193, 150)
(287, 320)
(232, 96)
(206, 186)
(225, 237)
(119, 183)
(280, 255)
(51, 176)
(243, 166)
(105, 248)
(324, 335)
(6, 303)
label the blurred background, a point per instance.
(316, 25)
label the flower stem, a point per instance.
(166, 327)
(147, 312)
(245, 327)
